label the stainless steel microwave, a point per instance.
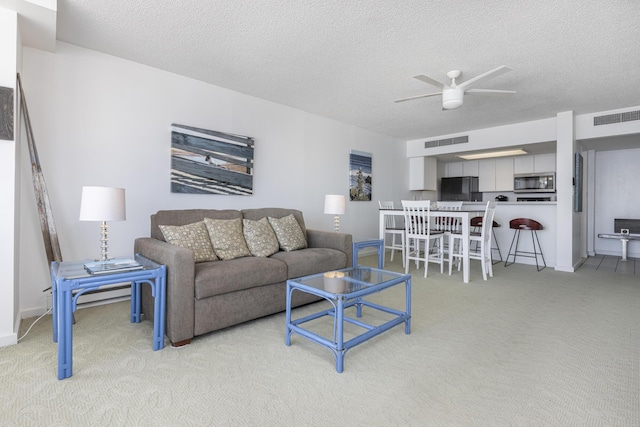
(534, 182)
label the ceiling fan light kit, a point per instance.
(453, 93)
(452, 98)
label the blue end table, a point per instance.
(69, 280)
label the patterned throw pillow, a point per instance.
(227, 238)
(288, 232)
(260, 237)
(191, 236)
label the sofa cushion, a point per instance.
(227, 238)
(191, 236)
(289, 233)
(220, 277)
(260, 237)
(256, 214)
(311, 260)
(187, 216)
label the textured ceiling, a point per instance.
(350, 59)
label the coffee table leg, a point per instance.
(287, 333)
(340, 337)
(407, 326)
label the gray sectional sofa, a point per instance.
(206, 296)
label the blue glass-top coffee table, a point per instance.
(344, 289)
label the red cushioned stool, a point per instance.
(534, 226)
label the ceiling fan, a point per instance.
(453, 93)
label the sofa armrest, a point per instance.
(325, 239)
(180, 264)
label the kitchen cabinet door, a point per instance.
(544, 163)
(470, 168)
(453, 169)
(504, 174)
(423, 173)
(487, 175)
(523, 164)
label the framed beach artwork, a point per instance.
(360, 176)
(210, 162)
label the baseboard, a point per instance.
(7, 340)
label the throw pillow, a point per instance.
(191, 236)
(227, 238)
(260, 237)
(288, 232)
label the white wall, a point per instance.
(616, 196)
(101, 120)
(9, 155)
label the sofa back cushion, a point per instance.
(256, 214)
(187, 216)
(227, 238)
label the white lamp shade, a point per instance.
(102, 204)
(334, 204)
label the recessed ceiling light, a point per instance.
(491, 154)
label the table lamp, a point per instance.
(102, 204)
(335, 204)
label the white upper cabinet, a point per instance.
(495, 174)
(453, 169)
(535, 164)
(467, 168)
(523, 164)
(470, 168)
(487, 175)
(423, 173)
(544, 163)
(504, 174)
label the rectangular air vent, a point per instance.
(610, 119)
(446, 141)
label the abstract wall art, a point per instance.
(210, 162)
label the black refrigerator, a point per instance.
(460, 188)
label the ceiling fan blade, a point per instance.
(430, 81)
(417, 97)
(493, 73)
(488, 91)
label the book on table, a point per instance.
(112, 266)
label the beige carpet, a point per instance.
(522, 349)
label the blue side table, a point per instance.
(361, 243)
(69, 280)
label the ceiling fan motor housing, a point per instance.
(452, 98)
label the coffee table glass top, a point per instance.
(348, 280)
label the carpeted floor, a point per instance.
(525, 348)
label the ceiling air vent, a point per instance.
(446, 141)
(610, 119)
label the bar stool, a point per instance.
(519, 224)
(476, 223)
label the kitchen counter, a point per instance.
(511, 203)
(543, 212)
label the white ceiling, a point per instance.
(350, 59)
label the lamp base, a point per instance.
(336, 223)
(104, 242)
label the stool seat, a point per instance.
(526, 224)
